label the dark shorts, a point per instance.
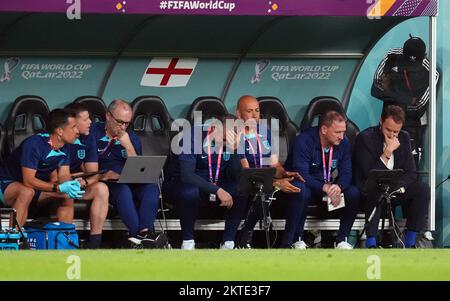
(5, 183)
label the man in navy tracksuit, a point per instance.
(255, 151)
(322, 155)
(207, 175)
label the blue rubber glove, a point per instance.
(72, 189)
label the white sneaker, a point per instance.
(299, 245)
(428, 235)
(228, 245)
(135, 243)
(188, 245)
(343, 245)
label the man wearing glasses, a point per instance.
(114, 145)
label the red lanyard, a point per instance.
(253, 150)
(107, 146)
(327, 177)
(407, 82)
(219, 159)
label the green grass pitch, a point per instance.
(206, 265)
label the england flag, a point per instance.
(168, 72)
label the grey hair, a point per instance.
(117, 102)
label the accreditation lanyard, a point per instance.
(253, 150)
(219, 159)
(327, 177)
(111, 142)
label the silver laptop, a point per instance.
(142, 169)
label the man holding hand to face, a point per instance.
(388, 147)
(257, 152)
(137, 204)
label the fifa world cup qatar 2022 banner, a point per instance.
(369, 8)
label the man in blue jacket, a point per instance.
(207, 172)
(322, 155)
(257, 152)
(388, 147)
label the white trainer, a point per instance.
(228, 245)
(343, 245)
(135, 243)
(188, 245)
(299, 245)
(428, 235)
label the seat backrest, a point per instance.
(210, 107)
(95, 105)
(351, 132)
(319, 105)
(151, 122)
(28, 116)
(322, 104)
(272, 108)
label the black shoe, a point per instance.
(245, 246)
(152, 240)
(245, 241)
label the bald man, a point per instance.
(256, 144)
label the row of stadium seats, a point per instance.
(152, 123)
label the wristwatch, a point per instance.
(55, 188)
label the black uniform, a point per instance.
(403, 79)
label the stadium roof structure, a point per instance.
(370, 8)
